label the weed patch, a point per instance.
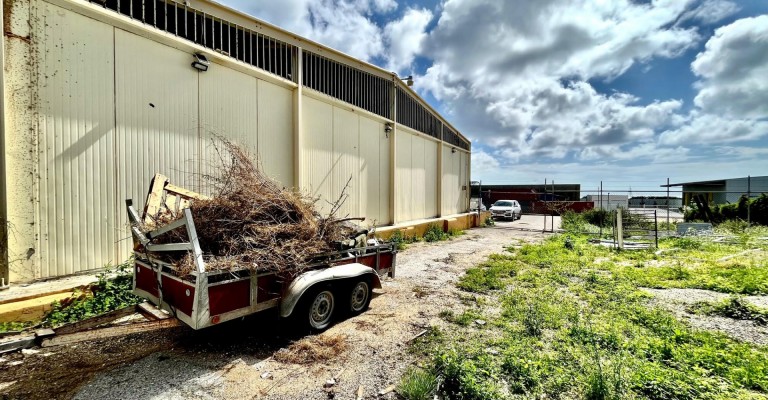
(734, 307)
(107, 294)
(401, 240)
(574, 323)
(417, 384)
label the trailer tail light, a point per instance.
(216, 319)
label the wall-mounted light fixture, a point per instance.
(453, 149)
(409, 80)
(201, 62)
(387, 129)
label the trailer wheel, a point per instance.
(359, 297)
(319, 309)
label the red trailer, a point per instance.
(333, 284)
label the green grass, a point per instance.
(735, 307)
(417, 384)
(574, 323)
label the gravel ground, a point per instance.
(234, 360)
(676, 301)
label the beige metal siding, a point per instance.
(418, 179)
(416, 185)
(317, 150)
(374, 172)
(275, 111)
(451, 178)
(346, 162)
(228, 109)
(463, 189)
(404, 177)
(430, 178)
(77, 204)
(157, 117)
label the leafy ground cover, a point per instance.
(112, 291)
(568, 319)
(433, 234)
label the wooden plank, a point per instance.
(151, 312)
(95, 321)
(16, 343)
(170, 202)
(154, 198)
(185, 192)
(111, 331)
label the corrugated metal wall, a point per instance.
(317, 150)
(451, 181)
(276, 131)
(416, 183)
(116, 107)
(345, 181)
(77, 228)
(340, 146)
(157, 128)
(224, 115)
(374, 172)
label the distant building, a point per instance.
(655, 202)
(723, 191)
(608, 202)
(527, 195)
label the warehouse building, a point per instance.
(722, 191)
(100, 95)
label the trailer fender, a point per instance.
(305, 281)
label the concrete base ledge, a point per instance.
(446, 223)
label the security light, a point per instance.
(453, 149)
(201, 62)
(387, 128)
(409, 80)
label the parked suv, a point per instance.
(504, 209)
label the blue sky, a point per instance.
(625, 92)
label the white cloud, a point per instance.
(708, 129)
(483, 162)
(345, 25)
(734, 70)
(711, 11)
(404, 38)
(515, 74)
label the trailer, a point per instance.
(333, 284)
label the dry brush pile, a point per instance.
(252, 222)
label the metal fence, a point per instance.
(649, 211)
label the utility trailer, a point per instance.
(333, 284)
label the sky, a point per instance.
(627, 92)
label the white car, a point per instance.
(504, 209)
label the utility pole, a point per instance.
(749, 197)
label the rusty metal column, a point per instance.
(4, 272)
(22, 153)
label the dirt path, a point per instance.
(677, 302)
(236, 360)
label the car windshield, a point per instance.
(503, 203)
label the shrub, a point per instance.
(435, 234)
(400, 240)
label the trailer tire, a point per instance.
(317, 311)
(359, 296)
